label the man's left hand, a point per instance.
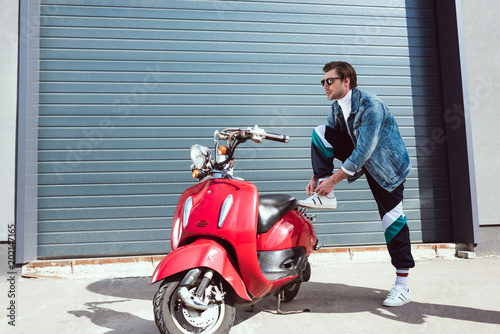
(325, 187)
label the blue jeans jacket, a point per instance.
(378, 144)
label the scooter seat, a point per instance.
(271, 209)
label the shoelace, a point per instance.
(318, 196)
(394, 291)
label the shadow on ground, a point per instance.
(317, 297)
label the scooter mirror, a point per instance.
(220, 136)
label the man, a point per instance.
(363, 134)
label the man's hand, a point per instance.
(325, 187)
(312, 185)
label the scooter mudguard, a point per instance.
(202, 253)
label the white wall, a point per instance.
(482, 47)
(8, 106)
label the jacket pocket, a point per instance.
(395, 157)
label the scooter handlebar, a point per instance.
(260, 134)
(255, 133)
(276, 137)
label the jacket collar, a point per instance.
(355, 97)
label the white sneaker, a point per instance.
(398, 296)
(319, 202)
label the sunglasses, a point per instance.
(329, 81)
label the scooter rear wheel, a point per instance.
(172, 316)
(291, 290)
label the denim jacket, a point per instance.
(378, 145)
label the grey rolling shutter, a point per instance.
(128, 86)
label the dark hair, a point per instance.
(344, 70)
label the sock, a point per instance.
(402, 278)
(331, 195)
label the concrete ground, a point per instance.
(449, 296)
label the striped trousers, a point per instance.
(328, 144)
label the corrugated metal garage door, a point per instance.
(128, 86)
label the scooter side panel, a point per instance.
(293, 230)
(201, 253)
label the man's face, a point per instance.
(338, 89)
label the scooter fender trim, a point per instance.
(201, 253)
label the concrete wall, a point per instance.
(8, 107)
(482, 47)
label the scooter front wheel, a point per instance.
(174, 316)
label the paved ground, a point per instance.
(449, 296)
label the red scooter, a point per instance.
(230, 246)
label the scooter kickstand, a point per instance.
(279, 311)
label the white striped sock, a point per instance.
(402, 278)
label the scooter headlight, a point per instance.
(200, 155)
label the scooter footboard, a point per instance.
(202, 253)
